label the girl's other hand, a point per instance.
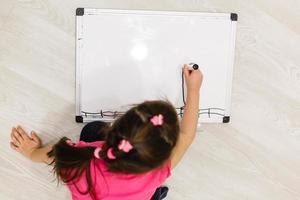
(193, 79)
(23, 143)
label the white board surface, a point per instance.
(124, 57)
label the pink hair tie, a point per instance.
(96, 152)
(69, 142)
(157, 120)
(125, 146)
(110, 154)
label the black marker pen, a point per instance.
(193, 66)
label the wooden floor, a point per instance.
(256, 156)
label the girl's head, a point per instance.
(152, 145)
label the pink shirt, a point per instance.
(113, 186)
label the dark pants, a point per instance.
(92, 132)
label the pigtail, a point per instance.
(71, 162)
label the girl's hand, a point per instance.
(23, 143)
(192, 78)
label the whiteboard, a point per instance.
(124, 57)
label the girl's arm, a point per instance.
(40, 154)
(30, 146)
(190, 117)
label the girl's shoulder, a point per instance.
(155, 176)
(164, 171)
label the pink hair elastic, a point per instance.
(157, 120)
(69, 142)
(110, 154)
(125, 146)
(96, 152)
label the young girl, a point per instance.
(128, 159)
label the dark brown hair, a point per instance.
(152, 145)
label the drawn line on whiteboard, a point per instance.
(203, 111)
(113, 114)
(180, 111)
(182, 87)
(211, 113)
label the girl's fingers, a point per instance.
(22, 133)
(186, 70)
(13, 146)
(15, 141)
(15, 136)
(35, 137)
